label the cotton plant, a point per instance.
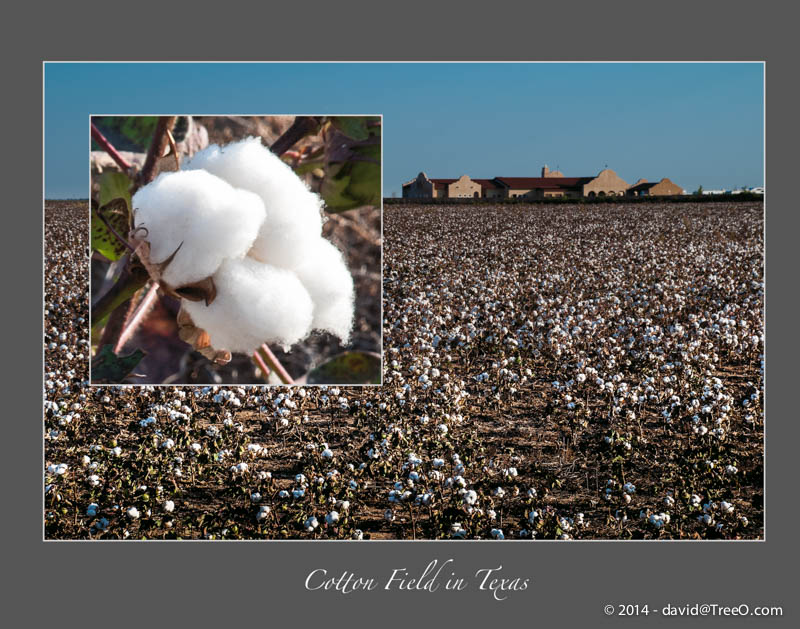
(236, 235)
(640, 344)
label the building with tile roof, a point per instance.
(644, 188)
(551, 184)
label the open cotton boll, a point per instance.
(210, 217)
(328, 281)
(293, 211)
(255, 303)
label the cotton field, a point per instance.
(550, 373)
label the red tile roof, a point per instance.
(486, 183)
(530, 183)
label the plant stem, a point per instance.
(137, 317)
(109, 148)
(130, 280)
(413, 522)
(174, 148)
(275, 365)
(261, 364)
(301, 127)
(116, 321)
(117, 302)
(156, 150)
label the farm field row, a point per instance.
(550, 372)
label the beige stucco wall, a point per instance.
(665, 188)
(543, 194)
(546, 172)
(607, 182)
(464, 188)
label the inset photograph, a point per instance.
(235, 250)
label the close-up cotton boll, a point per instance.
(198, 217)
(221, 242)
(328, 281)
(293, 220)
(236, 201)
(255, 303)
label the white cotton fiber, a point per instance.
(241, 216)
(328, 281)
(212, 219)
(293, 211)
(255, 303)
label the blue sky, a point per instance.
(698, 123)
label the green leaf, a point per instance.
(111, 368)
(114, 185)
(127, 133)
(124, 289)
(353, 171)
(353, 186)
(365, 182)
(307, 167)
(348, 368)
(352, 126)
(97, 328)
(334, 191)
(104, 240)
(114, 200)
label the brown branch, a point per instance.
(109, 148)
(156, 150)
(116, 321)
(130, 280)
(275, 365)
(301, 127)
(174, 148)
(137, 317)
(118, 303)
(261, 364)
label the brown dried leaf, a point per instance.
(142, 249)
(221, 357)
(204, 290)
(184, 318)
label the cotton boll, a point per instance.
(293, 211)
(255, 303)
(210, 217)
(328, 281)
(282, 245)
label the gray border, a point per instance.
(225, 584)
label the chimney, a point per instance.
(545, 171)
